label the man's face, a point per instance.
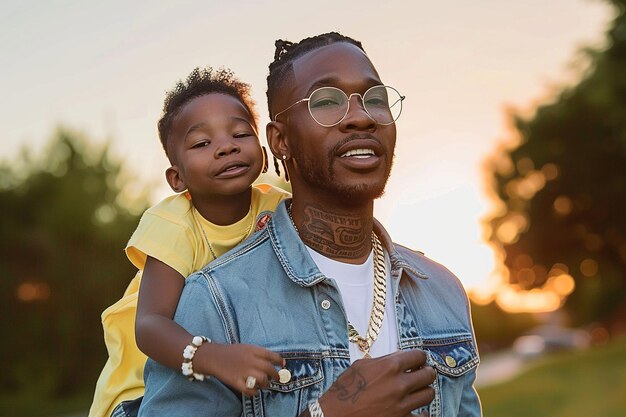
(351, 160)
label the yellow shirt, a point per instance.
(176, 234)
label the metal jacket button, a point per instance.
(450, 361)
(284, 376)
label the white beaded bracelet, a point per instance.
(188, 354)
(315, 410)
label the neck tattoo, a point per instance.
(335, 235)
(380, 295)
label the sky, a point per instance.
(103, 68)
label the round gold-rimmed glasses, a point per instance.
(328, 106)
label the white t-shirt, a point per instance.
(356, 286)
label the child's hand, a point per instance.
(233, 364)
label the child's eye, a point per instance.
(201, 144)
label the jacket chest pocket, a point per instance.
(305, 384)
(454, 359)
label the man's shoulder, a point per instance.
(433, 273)
(420, 259)
(436, 290)
(406, 251)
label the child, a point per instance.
(209, 133)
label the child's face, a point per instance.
(215, 147)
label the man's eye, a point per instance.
(243, 135)
(378, 100)
(325, 102)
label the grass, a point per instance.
(591, 383)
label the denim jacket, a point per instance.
(269, 292)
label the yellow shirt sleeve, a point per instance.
(166, 232)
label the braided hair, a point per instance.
(285, 54)
(200, 82)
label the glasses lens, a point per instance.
(328, 105)
(383, 103)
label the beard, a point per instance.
(324, 177)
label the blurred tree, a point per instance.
(63, 229)
(563, 189)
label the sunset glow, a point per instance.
(461, 65)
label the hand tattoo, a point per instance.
(350, 386)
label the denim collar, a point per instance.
(297, 262)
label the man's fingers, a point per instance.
(411, 359)
(419, 398)
(420, 378)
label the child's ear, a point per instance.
(172, 174)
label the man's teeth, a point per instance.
(359, 153)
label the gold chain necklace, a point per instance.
(206, 239)
(378, 305)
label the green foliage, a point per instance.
(564, 188)
(572, 384)
(63, 230)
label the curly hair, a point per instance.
(200, 82)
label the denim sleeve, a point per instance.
(168, 392)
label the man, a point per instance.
(362, 323)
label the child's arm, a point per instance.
(162, 339)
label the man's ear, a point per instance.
(277, 139)
(172, 175)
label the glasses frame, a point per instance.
(349, 97)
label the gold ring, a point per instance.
(250, 382)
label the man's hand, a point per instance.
(389, 386)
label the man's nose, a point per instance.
(357, 117)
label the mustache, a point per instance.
(355, 136)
